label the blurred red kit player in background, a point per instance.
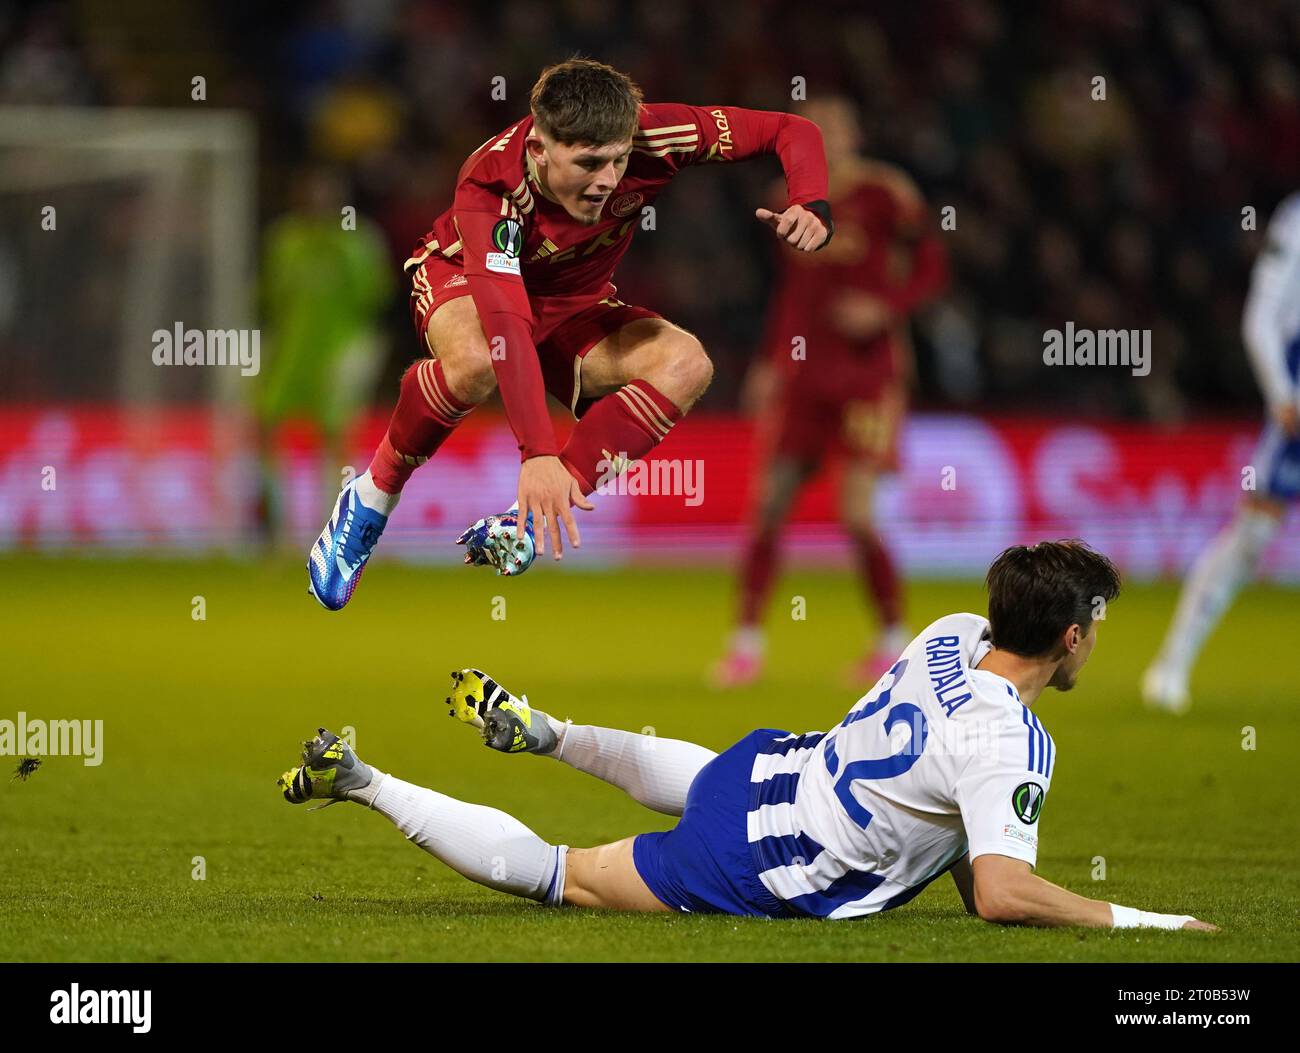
(832, 380)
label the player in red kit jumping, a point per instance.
(511, 289)
(832, 381)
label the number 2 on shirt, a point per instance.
(882, 767)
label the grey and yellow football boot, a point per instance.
(330, 771)
(508, 723)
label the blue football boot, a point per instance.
(336, 561)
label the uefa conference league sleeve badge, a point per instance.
(1027, 802)
(508, 241)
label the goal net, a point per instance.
(117, 226)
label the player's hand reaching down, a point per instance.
(800, 227)
(548, 491)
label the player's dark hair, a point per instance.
(1036, 592)
(584, 101)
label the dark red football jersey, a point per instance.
(514, 243)
(885, 245)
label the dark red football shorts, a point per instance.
(857, 418)
(565, 328)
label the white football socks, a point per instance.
(893, 639)
(373, 497)
(1215, 577)
(484, 844)
(653, 771)
(748, 641)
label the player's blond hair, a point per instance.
(580, 100)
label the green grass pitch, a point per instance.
(202, 716)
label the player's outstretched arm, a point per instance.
(733, 133)
(1009, 893)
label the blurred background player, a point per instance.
(832, 381)
(1271, 332)
(326, 282)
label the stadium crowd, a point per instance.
(1117, 212)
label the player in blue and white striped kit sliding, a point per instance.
(941, 768)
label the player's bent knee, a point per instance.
(687, 369)
(696, 366)
(467, 366)
(470, 377)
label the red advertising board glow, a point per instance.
(185, 481)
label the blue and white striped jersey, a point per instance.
(1270, 325)
(938, 759)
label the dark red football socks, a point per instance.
(427, 412)
(757, 572)
(880, 577)
(627, 424)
